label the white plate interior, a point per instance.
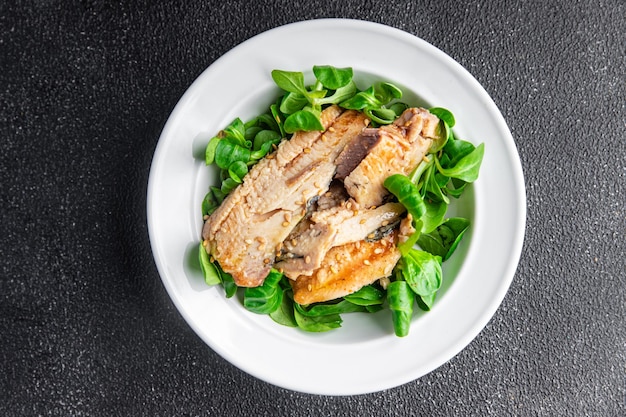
(476, 277)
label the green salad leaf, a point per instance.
(401, 299)
(316, 324)
(306, 119)
(407, 193)
(285, 313)
(209, 271)
(422, 271)
(290, 81)
(366, 296)
(465, 168)
(331, 77)
(444, 239)
(267, 298)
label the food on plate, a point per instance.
(246, 231)
(397, 149)
(334, 201)
(347, 268)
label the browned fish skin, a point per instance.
(248, 228)
(355, 151)
(347, 269)
(399, 149)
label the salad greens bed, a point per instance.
(443, 175)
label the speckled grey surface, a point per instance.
(86, 325)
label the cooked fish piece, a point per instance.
(346, 269)
(355, 151)
(304, 250)
(245, 232)
(335, 195)
(406, 228)
(393, 149)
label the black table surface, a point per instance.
(86, 326)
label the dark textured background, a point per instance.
(86, 327)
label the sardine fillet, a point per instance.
(245, 232)
(346, 269)
(399, 149)
(333, 227)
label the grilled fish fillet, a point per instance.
(346, 269)
(248, 228)
(305, 250)
(393, 149)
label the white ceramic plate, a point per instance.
(364, 355)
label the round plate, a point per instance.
(363, 355)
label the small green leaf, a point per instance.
(267, 121)
(362, 100)
(374, 308)
(258, 154)
(228, 185)
(426, 302)
(341, 94)
(316, 95)
(306, 119)
(284, 314)
(317, 323)
(398, 108)
(451, 237)
(325, 309)
(373, 100)
(466, 168)
(251, 132)
(444, 240)
(400, 298)
(331, 77)
(423, 166)
(292, 82)
(236, 132)
(292, 102)
(434, 215)
(381, 115)
(227, 152)
(209, 153)
(432, 244)
(264, 136)
(279, 118)
(444, 114)
(209, 271)
(456, 187)
(230, 288)
(366, 296)
(386, 92)
(455, 150)
(432, 185)
(237, 170)
(218, 194)
(209, 203)
(407, 194)
(422, 271)
(266, 298)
